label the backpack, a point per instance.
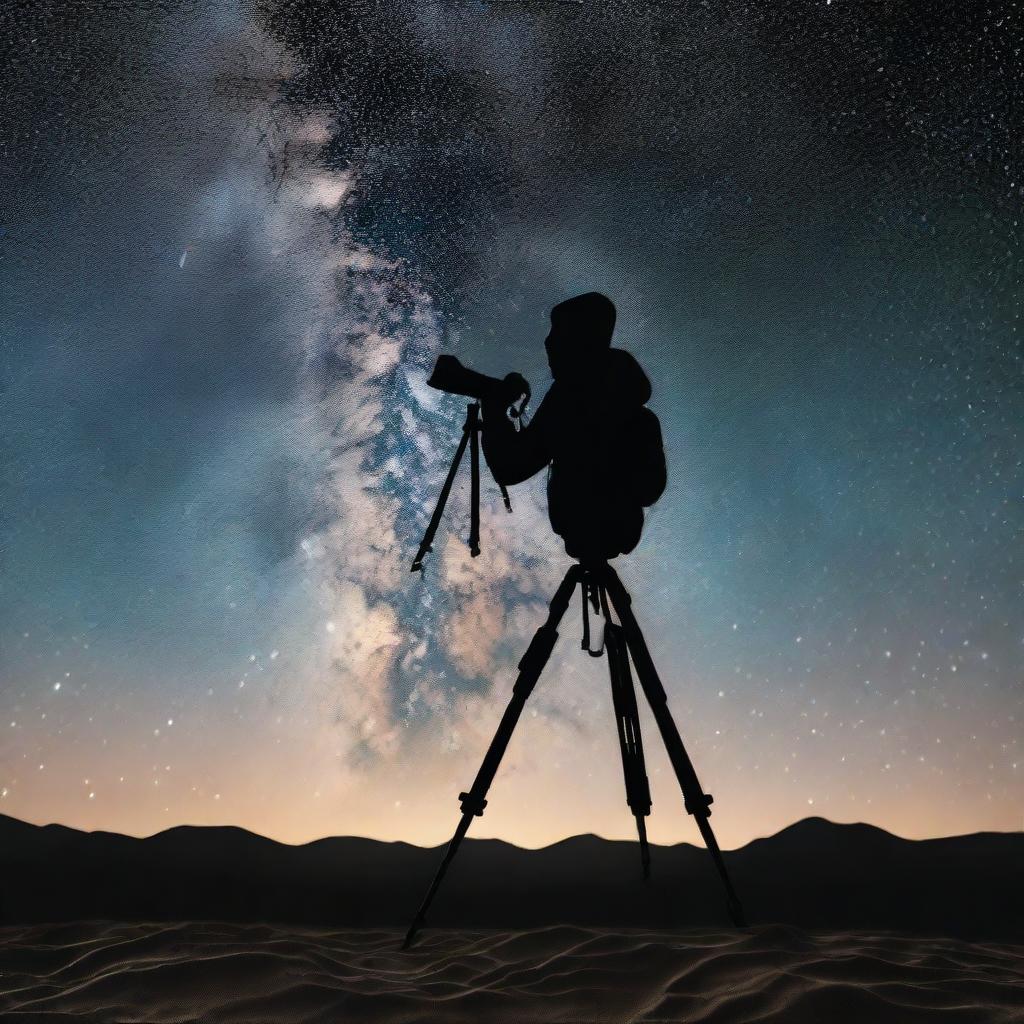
(610, 466)
(643, 464)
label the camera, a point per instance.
(451, 376)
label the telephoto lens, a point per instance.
(451, 376)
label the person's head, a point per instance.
(580, 335)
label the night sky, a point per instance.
(233, 240)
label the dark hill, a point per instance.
(814, 874)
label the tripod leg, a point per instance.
(627, 720)
(469, 428)
(698, 803)
(473, 425)
(530, 668)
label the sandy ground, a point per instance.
(102, 971)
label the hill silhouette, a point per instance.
(813, 874)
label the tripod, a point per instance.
(471, 436)
(601, 586)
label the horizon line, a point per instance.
(491, 839)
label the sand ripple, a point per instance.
(254, 973)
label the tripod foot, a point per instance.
(736, 913)
(411, 934)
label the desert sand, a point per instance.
(228, 972)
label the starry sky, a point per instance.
(233, 240)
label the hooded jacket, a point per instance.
(603, 448)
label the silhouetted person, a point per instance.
(606, 463)
(602, 445)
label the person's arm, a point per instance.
(515, 455)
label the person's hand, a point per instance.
(512, 389)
